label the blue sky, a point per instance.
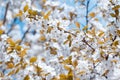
(15, 21)
(82, 21)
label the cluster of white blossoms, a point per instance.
(50, 50)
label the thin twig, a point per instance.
(24, 35)
(114, 38)
(93, 71)
(11, 28)
(88, 44)
(4, 20)
(69, 33)
(87, 11)
(12, 25)
(66, 31)
(96, 65)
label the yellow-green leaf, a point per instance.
(19, 14)
(118, 32)
(85, 28)
(30, 11)
(23, 53)
(17, 70)
(26, 7)
(116, 42)
(11, 42)
(49, 29)
(92, 14)
(116, 7)
(63, 77)
(75, 63)
(70, 75)
(100, 42)
(65, 41)
(33, 59)
(53, 51)
(10, 65)
(81, 72)
(34, 13)
(101, 33)
(68, 60)
(68, 68)
(77, 24)
(11, 72)
(46, 16)
(113, 15)
(43, 1)
(105, 73)
(42, 38)
(69, 37)
(27, 77)
(18, 47)
(1, 31)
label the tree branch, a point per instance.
(24, 35)
(6, 9)
(11, 28)
(87, 11)
(66, 31)
(69, 33)
(88, 44)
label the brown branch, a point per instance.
(69, 33)
(4, 20)
(87, 6)
(88, 44)
(93, 71)
(66, 31)
(114, 38)
(24, 35)
(11, 28)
